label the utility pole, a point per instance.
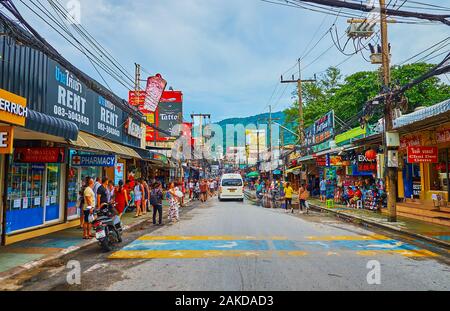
(299, 81)
(391, 171)
(257, 144)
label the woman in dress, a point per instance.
(121, 198)
(138, 196)
(173, 201)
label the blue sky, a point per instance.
(225, 55)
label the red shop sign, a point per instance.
(39, 155)
(422, 154)
(443, 136)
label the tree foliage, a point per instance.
(347, 96)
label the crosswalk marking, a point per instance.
(180, 247)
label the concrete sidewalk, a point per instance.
(22, 256)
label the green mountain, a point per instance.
(289, 138)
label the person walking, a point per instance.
(156, 198)
(121, 198)
(110, 191)
(138, 194)
(303, 196)
(323, 190)
(191, 186)
(88, 208)
(97, 184)
(288, 193)
(212, 188)
(84, 184)
(203, 191)
(146, 196)
(173, 201)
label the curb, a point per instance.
(14, 272)
(384, 226)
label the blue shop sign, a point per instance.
(94, 160)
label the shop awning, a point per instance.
(329, 151)
(152, 156)
(293, 169)
(40, 122)
(305, 158)
(88, 141)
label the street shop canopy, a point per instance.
(153, 157)
(253, 175)
(291, 170)
(40, 122)
(88, 141)
(438, 113)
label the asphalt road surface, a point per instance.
(239, 246)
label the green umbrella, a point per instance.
(253, 175)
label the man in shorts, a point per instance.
(89, 204)
(323, 190)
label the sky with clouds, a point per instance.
(225, 55)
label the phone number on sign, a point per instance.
(73, 116)
(106, 128)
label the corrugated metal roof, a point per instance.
(422, 114)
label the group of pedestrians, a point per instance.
(94, 193)
(203, 189)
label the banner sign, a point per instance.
(136, 98)
(39, 155)
(309, 136)
(422, 155)
(68, 98)
(443, 135)
(169, 113)
(118, 173)
(410, 141)
(154, 90)
(322, 161)
(108, 118)
(366, 165)
(6, 139)
(13, 108)
(324, 128)
(133, 129)
(349, 135)
(94, 160)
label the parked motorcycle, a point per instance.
(107, 226)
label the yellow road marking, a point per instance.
(196, 238)
(349, 238)
(185, 254)
(406, 253)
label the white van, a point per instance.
(231, 187)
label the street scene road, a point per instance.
(244, 247)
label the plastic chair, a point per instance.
(359, 204)
(330, 203)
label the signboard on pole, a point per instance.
(154, 91)
(422, 154)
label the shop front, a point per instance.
(35, 188)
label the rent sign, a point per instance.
(422, 154)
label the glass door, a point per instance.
(52, 197)
(73, 189)
(24, 207)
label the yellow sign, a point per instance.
(6, 139)
(13, 108)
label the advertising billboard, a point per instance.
(169, 113)
(154, 91)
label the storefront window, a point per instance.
(24, 196)
(438, 172)
(52, 202)
(73, 189)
